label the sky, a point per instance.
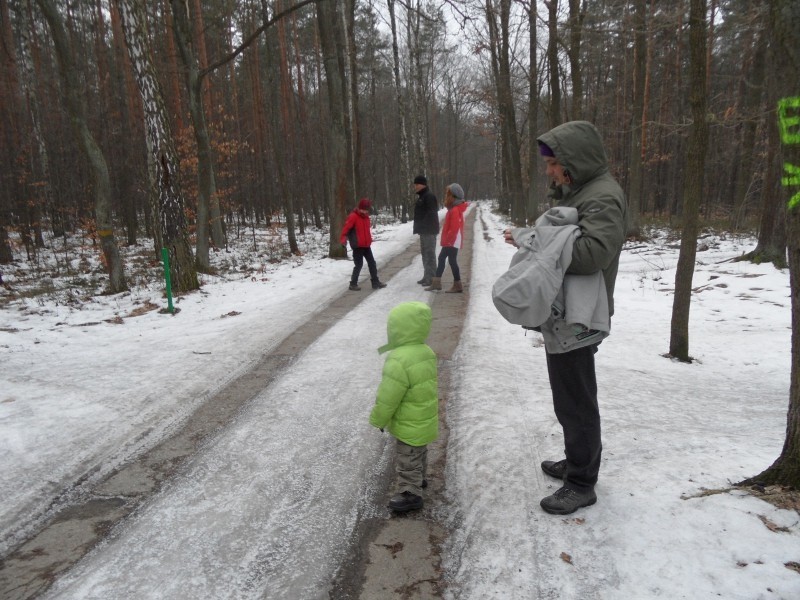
(263, 508)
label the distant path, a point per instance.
(32, 568)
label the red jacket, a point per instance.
(356, 230)
(453, 227)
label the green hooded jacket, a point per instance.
(407, 402)
(596, 195)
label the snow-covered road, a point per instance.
(267, 508)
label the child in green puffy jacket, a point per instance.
(407, 402)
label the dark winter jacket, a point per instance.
(596, 195)
(356, 230)
(426, 213)
(407, 402)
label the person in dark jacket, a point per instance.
(357, 230)
(577, 167)
(426, 225)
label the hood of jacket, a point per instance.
(408, 323)
(578, 147)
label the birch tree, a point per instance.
(171, 203)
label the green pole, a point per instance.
(165, 259)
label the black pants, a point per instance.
(359, 254)
(450, 254)
(574, 386)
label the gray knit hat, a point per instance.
(457, 191)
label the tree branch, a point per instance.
(253, 36)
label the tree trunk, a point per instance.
(785, 42)
(552, 62)
(405, 161)
(171, 203)
(637, 118)
(97, 162)
(207, 202)
(283, 138)
(9, 100)
(577, 13)
(501, 68)
(534, 160)
(337, 147)
(693, 182)
(751, 94)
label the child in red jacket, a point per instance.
(357, 231)
(452, 238)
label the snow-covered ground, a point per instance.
(263, 509)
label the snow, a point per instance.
(268, 503)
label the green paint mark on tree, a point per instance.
(789, 120)
(789, 127)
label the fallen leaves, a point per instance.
(772, 526)
(792, 566)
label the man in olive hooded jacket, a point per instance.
(577, 167)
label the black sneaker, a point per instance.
(405, 502)
(422, 282)
(566, 501)
(376, 285)
(354, 287)
(555, 468)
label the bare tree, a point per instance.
(171, 203)
(498, 20)
(405, 160)
(693, 183)
(208, 212)
(635, 167)
(785, 40)
(337, 183)
(552, 62)
(76, 106)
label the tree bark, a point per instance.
(405, 160)
(552, 62)
(208, 213)
(99, 168)
(785, 43)
(693, 182)
(501, 68)
(171, 203)
(637, 117)
(337, 146)
(533, 113)
(577, 14)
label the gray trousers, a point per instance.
(412, 467)
(427, 247)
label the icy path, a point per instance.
(267, 507)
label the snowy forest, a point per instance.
(188, 122)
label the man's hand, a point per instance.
(509, 239)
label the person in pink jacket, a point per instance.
(452, 238)
(357, 231)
